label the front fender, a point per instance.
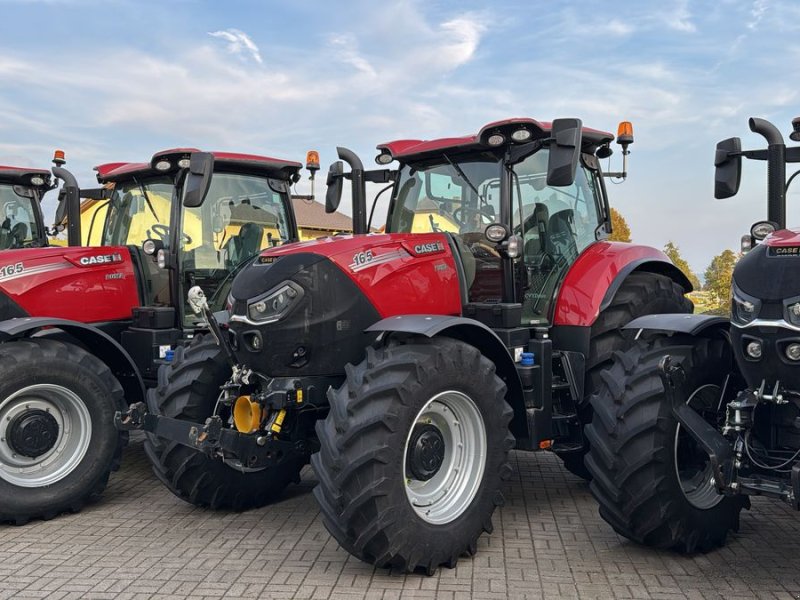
(475, 334)
(99, 343)
(694, 325)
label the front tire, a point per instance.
(412, 454)
(188, 388)
(58, 443)
(652, 482)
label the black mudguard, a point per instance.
(97, 342)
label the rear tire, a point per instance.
(58, 443)
(645, 471)
(188, 389)
(641, 293)
(383, 493)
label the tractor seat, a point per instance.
(245, 244)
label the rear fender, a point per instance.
(103, 346)
(598, 273)
(475, 334)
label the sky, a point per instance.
(117, 80)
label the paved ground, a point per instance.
(141, 542)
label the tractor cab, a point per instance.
(21, 193)
(462, 186)
(247, 209)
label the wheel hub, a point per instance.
(425, 452)
(33, 433)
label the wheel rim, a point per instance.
(45, 431)
(692, 464)
(444, 457)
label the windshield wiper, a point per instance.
(147, 199)
(465, 178)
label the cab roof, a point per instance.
(406, 150)
(223, 161)
(23, 176)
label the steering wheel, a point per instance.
(462, 213)
(162, 231)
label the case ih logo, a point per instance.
(100, 259)
(429, 248)
(784, 251)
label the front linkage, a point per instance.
(212, 437)
(735, 471)
(258, 416)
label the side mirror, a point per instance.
(728, 172)
(201, 168)
(334, 194)
(565, 151)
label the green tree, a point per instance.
(620, 232)
(674, 254)
(718, 277)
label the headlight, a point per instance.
(791, 311)
(275, 304)
(744, 308)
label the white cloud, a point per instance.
(239, 43)
(461, 38)
(757, 13)
(617, 27)
(678, 17)
(346, 49)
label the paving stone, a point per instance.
(142, 542)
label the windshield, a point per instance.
(18, 226)
(139, 209)
(459, 196)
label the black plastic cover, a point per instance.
(768, 274)
(319, 335)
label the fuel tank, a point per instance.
(302, 309)
(88, 285)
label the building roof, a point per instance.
(311, 214)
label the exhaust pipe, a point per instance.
(72, 200)
(359, 188)
(776, 169)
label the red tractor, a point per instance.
(406, 365)
(83, 330)
(702, 412)
(21, 221)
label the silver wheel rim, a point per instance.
(74, 434)
(695, 476)
(445, 496)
